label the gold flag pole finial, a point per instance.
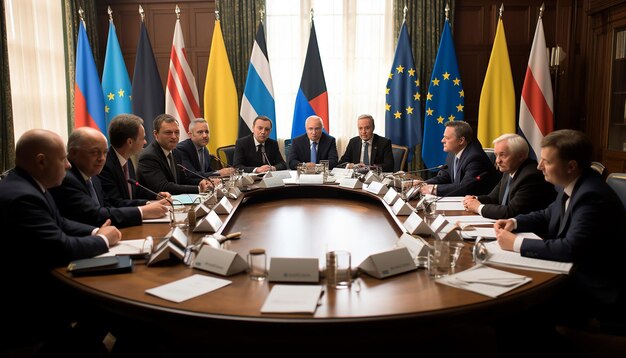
(404, 11)
(447, 11)
(141, 13)
(81, 14)
(110, 12)
(311, 15)
(541, 9)
(217, 15)
(501, 10)
(177, 11)
(261, 13)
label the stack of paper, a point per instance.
(514, 259)
(292, 299)
(189, 287)
(485, 281)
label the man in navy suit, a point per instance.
(313, 146)
(80, 195)
(522, 188)
(257, 152)
(584, 225)
(368, 148)
(44, 240)
(465, 162)
(127, 136)
(193, 152)
(158, 168)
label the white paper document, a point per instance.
(514, 259)
(474, 219)
(450, 205)
(129, 247)
(485, 281)
(451, 199)
(186, 199)
(292, 299)
(165, 219)
(189, 287)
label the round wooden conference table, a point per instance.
(299, 221)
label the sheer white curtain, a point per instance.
(355, 39)
(37, 65)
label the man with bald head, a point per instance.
(313, 146)
(44, 239)
(80, 195)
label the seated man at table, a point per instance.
(80, 196)
(313, 146)
(43, 240)
(368, 148)
(522, 188)
(127, 137)
(466, 161)
(584, 225)
(257, 152)
(158, 168)
(193, 152)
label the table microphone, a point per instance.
(197, 174)
(136, 183)
(267, 160)
(457, 189)
(438, 167)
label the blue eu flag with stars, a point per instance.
(403, 111)
(444, 100)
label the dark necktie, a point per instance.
(505, 197)
(170, 159)
(92, 192)
(456, 178)
(126, 177)
(259, 153)
(563, 206)
(314, 152)
(366, 154)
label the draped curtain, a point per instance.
(7, 146)
(71, 21)
(240, 20)
(424, 21)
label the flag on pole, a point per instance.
(496, 110)
(115, 81)
(536, 116)
(181, 94)
(403, 109)
(220, 95)
(258, 94)
(445, 100)
(148, 96)
(312, 97)
(88, 98)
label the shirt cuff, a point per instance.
(141, 212)
(514, 224)
(480, 209)
(106, 241)
(517, 244)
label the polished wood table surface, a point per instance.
(299, 221)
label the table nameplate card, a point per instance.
(279, 174)
(416, 245)
(287, 269)
(388, 263)
(209, 223)
(219, 261)
(391, 197)
(414, 224)
(402, 208)
(350, 183)
(439, 223)
(371, 177)
(271, 182)
(223, 207)
(377, 188)
(311, 179)
(234, 192)
(247, 179)
(201, 210)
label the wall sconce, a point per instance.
(556, 55)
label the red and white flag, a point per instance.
(536, 114)
(181, 94)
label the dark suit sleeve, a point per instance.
(150, 172)
(296, 154)
(347, 155)
(387, 163)
(492, 197)
(241, 157)
(112, 185)
(529, 192)
(472, 166)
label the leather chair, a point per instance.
(226, 154)
(491, 154)
(400, 153)
(617, 181)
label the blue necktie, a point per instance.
(92, 192)
(505, 197)
(456, 170)
(314, 152)
(366, 154)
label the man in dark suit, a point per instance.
(368, 148)
(313, 146)
(257, 152)
(194, 154)
(522, 188)
(158, 163)
(127, 137)
(44, 240)
(466, 160)
(584, 225)
(80, 195)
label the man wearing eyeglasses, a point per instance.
(80, 196)
(313, 146)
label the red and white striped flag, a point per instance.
(536, 117)
(181, 94)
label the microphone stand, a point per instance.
(456, 190)
(198, 175)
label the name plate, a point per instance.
(416, 245)
(234, 192)
(402, 208)
(438, 224)
(350, 183)
(219, 261)
(271, 182)
(371, 177)
(414, 224)
(280, 174)
(311, 179)
(209, 223)
(376, 188)
(287, 269)
(201, 210)
(388, 263)
(391, 197)
(246, 179)
(341, 172)
(223, 207)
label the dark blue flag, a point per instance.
(403, 110)
(444, 101)
(148, 95)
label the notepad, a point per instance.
(186, 199)
(187, 288)
(292, 299)
(485, 281)
(514, 259)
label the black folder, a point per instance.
(101, 266)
